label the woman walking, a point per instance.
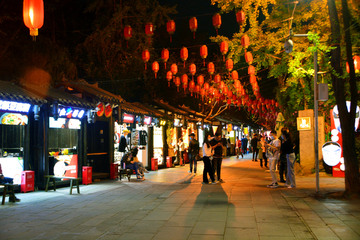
(207, 153)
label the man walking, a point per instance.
(193, 152)
(273, 154)
(255, 150)
(244, 143)
(217, 147)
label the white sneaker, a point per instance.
(195, 174)
(189, 171)
(214, 183)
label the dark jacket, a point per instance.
(218, 150)
(194, 147)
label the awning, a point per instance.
(11, 92)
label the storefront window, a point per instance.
(158, 145)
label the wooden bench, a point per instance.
(127, 172)
(72, 179)
(8, 191)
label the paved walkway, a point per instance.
(172, 204)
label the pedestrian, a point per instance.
(193, 152)
(262, 152)
(283, 161)
(287, 148)
(273, 154)
(217, 147)
(244, 143)
(181, 147)
(207, 155)
(254, 148)
(238, 148)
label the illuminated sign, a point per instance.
(128, 118)
(303, 123)
(14, 106)
(176, 122)
(147, 120)
(64, 123)
(13, 119)
(229, 127)
(68, 112)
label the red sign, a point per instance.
(108, 110)
(100, 108)
(128, 118)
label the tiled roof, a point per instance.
(12, 92)
(94, 91)
(56, 95)
(132, 108)
(153, 112)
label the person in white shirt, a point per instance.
(273, 154)
(207, 153)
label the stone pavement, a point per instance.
(172, 204)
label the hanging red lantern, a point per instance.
(248, 57)
(216, 21)
(206, 87)
(225, 89)
(245, 41)
(356, 60)
(200, 80)
(197, 89)
(192, 70)
(193, 25)
(165, 56)
(221, 85)
(229, 102)
(224, 48)
(234, 75)
(211, 69)
(203, 52)
(237, 84)
(33, 15)
(211, 91)
(217, 78)
(145, 57)
(184, 81)
(155, 68)
(170, 27)
(127, 34)
(174, 70)
(202, 92)
(230, 94)
(277, 104)
(252, 79)
(251, 70)
(169, 76)
(191, 87)
(240, 17)
(184, 54)
(149, 30)
(177, 82)
(229, 65)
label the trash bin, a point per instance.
(86, 175)
(168, 162)
(114, 170)
(154, 164)
(27, 181)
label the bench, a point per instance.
(127, 172)
(8, 191)
(72, 179)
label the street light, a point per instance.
(288, 49)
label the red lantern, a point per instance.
(169, 76)
(170, 27)
(240, 17)
(200, 80)
(237, 84)
(192, 70)
(184, 54)
(229, 102)
(33, 15)
(211, 69)
(174, 69)
(216, 21)
(127, 34)
(221, 85)
(177, 82)
(224, 48)
(230, 94)
(252, 79)
(197, 89)
(245, 41)
(217, 78)
(248, 57)
(155, 67)
(225, 89)
(193, 25)
(229, 65)
(145, 57)
(251, 70)
(165, 56)
(191, 86)
(203, 52)
(149, 30)
(356, 60)
(184, 81)
(202, 92)
(206, 87)
(235, 75)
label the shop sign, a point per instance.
(12, 167)
(100, 109)
(68, 112)
(128, 118)
(229, 127)
(14, 106)
(13, 119)
(147, 120)
(108, 110)
(214, 128)
(176, 122)
(65, 165)
(303, 123)
(64, 123)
